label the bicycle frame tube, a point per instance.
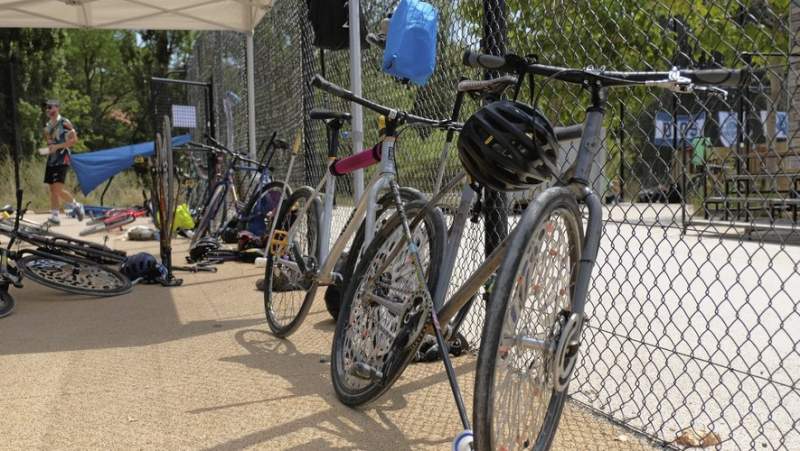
(329, 259)
(327, 215)
(453, 242)
(366, 208)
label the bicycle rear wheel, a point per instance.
(349, 262)
(286, 285)
(374, 342)
(268, 199)
(6, 301)
(213, 216)
(73, 275)
(529, 334)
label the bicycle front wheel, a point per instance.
(74, 275)
(290, 275)
(381, 323)
(520, 384)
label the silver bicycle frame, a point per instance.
(365, 209)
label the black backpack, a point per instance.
(329, 19)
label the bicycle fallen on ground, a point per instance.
(55, 263)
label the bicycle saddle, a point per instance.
(324, 114)
(6, 209)
(280, 144)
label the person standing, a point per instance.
(61, 136)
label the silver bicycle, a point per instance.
(535, 312)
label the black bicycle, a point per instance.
(55, 263)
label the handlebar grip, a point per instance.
(331, 88)
(718, 77)
(483, 61)
(360, 160)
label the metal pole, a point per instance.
(621, 152)
(251, 98)
(12, 105)
(357, 133)
(494, 43)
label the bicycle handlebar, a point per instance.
(514, 64)
(223, 149)
(402, 116)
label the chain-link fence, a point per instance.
(695, 292)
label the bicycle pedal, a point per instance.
(280, 243)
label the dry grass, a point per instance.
(124, 191)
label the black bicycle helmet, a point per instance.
(199, 250)
(141, 266)
(508, 146)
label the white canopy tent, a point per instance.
(236, 15)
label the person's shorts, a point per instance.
(56, 174)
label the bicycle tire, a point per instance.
(6, 302)
(73, 275)
(25, 226)
(333, 293)
(169, 211)
(215, 204)
(366, 332)
(545, 249)
(82, 249)
(266, 193)
(96, 220)
(107, 225)
(283, 285)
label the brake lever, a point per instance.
(713, 90)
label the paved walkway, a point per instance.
(194, 367)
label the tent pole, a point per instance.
(251, 98)
(357, 132)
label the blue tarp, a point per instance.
(94, 168)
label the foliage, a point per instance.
(100, 76)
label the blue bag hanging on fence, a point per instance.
(411, 42)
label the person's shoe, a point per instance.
(54, 221)
(78, 207)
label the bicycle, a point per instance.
(112, 219)
(53, 266)
(264, 196)
(547, 256)
(298, 257)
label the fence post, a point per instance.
(357, 134)
(12, 107)
(494, 43)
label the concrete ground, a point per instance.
(194, 367)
